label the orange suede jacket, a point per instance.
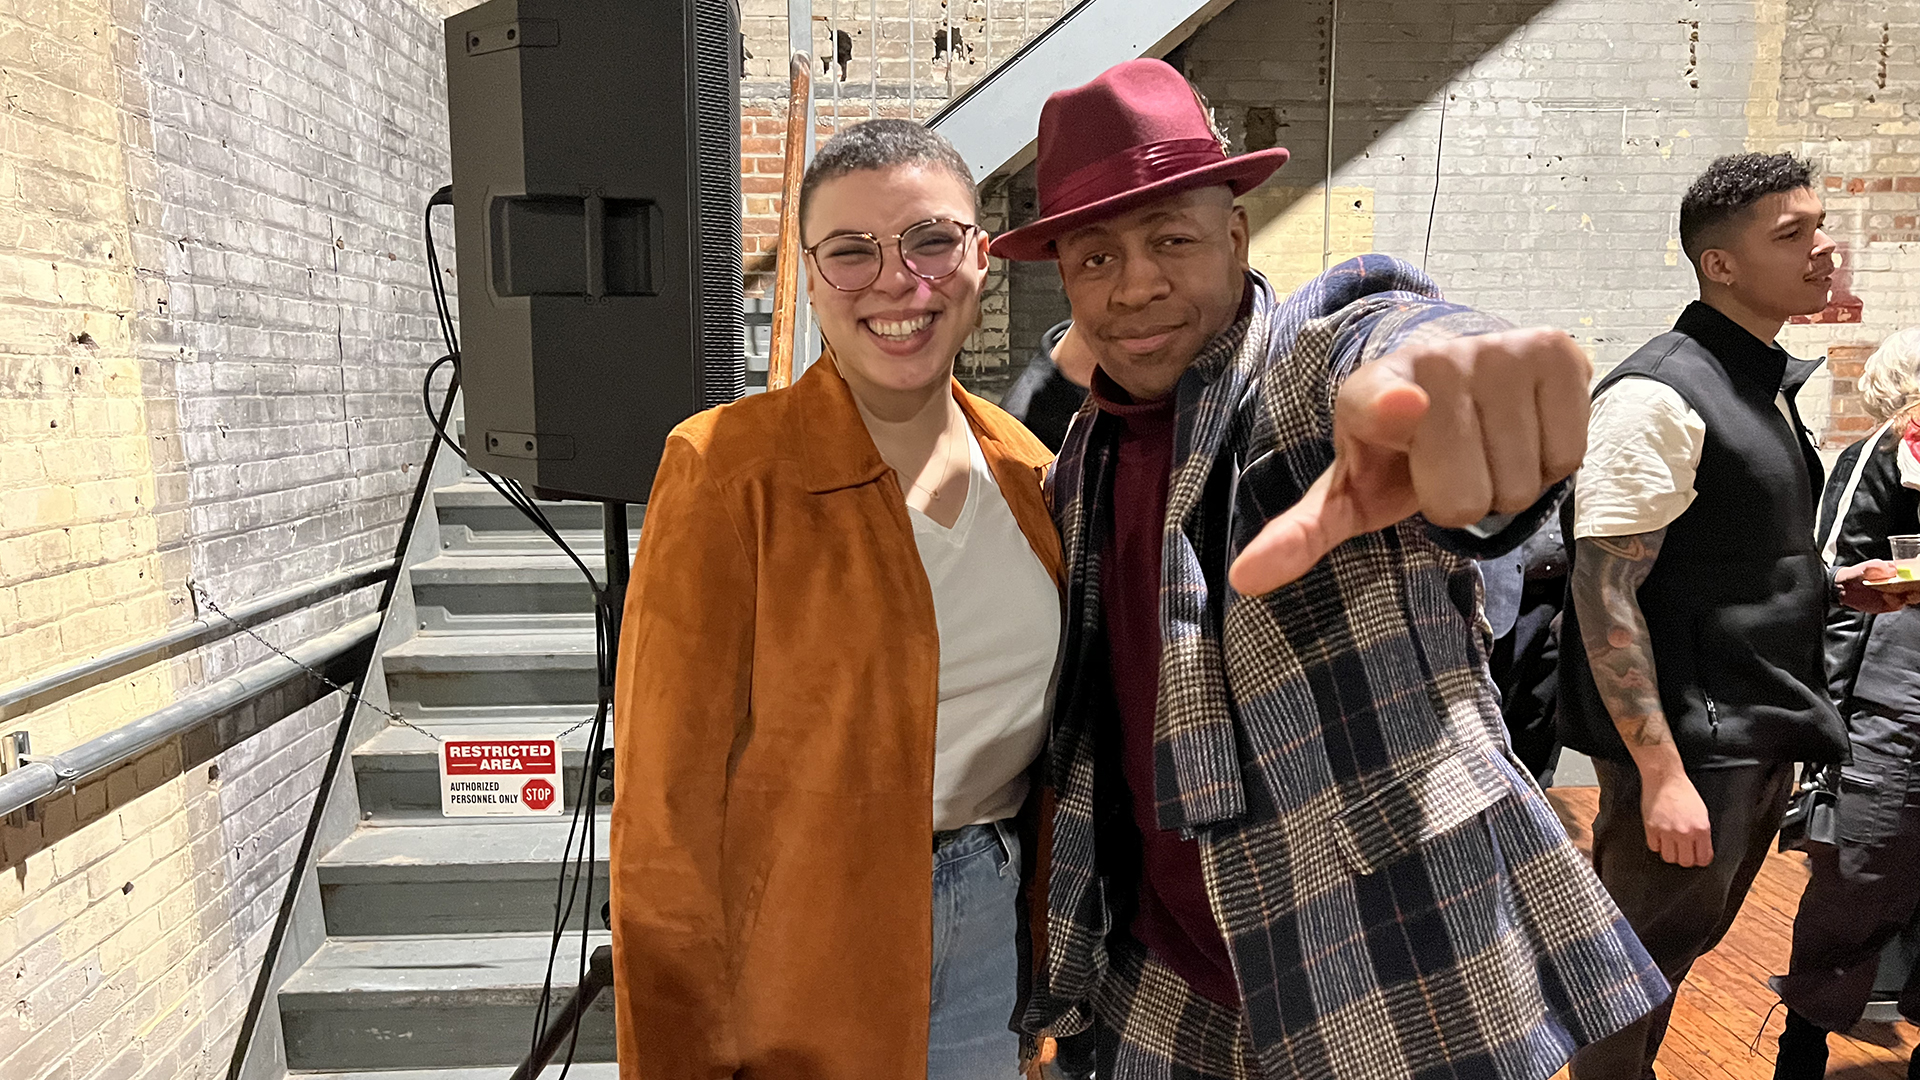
(772, 854)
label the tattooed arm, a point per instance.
(1607, 576)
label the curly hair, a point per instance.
(1890, 382)
(1729, 186)
(883, 144)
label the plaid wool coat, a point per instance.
(1397, 896)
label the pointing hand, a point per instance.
(1454, 430)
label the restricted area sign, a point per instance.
(499, 777)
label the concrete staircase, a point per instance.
(438, 929)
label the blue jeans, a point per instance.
(976, 889)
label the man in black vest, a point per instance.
(1697, 589)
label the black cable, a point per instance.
(1440, 147)
(588, 858)
(443, 197)
(582, 861)
(565, 898)
(509, 489)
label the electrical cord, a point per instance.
(576, 863)
(1439, 150)
(508, 489)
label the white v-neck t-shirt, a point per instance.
(998, 614)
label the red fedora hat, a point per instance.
(1134, 135)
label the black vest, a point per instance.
(1736, 600)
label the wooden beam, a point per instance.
(788, 257)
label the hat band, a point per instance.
(1134, 167)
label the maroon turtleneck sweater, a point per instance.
(1173, 920)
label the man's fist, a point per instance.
(1454, 429)
(1679, 829)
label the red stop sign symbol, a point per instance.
(537, 794)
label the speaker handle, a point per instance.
(596, 241)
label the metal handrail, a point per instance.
(37, 694)
(54, 773)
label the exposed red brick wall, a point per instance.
(1848, 419)
(1890, 220)
(763, 141)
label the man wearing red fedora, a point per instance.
(1285, 836)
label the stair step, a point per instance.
(457, 876)
(496, 668)
(483, 651)
(580, 1071)
(430, 1002)
(397, 771)
(473, 504)
(525, 590)
(507, 568)
(459, 538)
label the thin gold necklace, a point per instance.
(946, 462)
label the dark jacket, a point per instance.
(1737, 597)
(1872, 659)
(1525, 590)
(1042, 398)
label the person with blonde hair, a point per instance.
(1865, 885)
(1890, 382)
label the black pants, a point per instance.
(1680, 913)
(1074, 1057)
(1863, 890)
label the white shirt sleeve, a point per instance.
(1643, 447)
(1908, 455)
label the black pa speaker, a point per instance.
(596, 193)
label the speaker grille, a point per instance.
(722, 371)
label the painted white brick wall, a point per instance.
(273, 163)
(294, 147)
(1572, 129)
(137, 935)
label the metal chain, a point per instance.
(207, 601)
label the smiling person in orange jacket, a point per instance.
(842, 625)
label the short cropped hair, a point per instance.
(884, 144)
(1729, 186)
(1890, 383)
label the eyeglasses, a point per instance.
(931, 250)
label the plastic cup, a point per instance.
(1906, 555)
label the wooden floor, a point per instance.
(1724, 1002)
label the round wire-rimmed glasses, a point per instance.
(930, 250)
